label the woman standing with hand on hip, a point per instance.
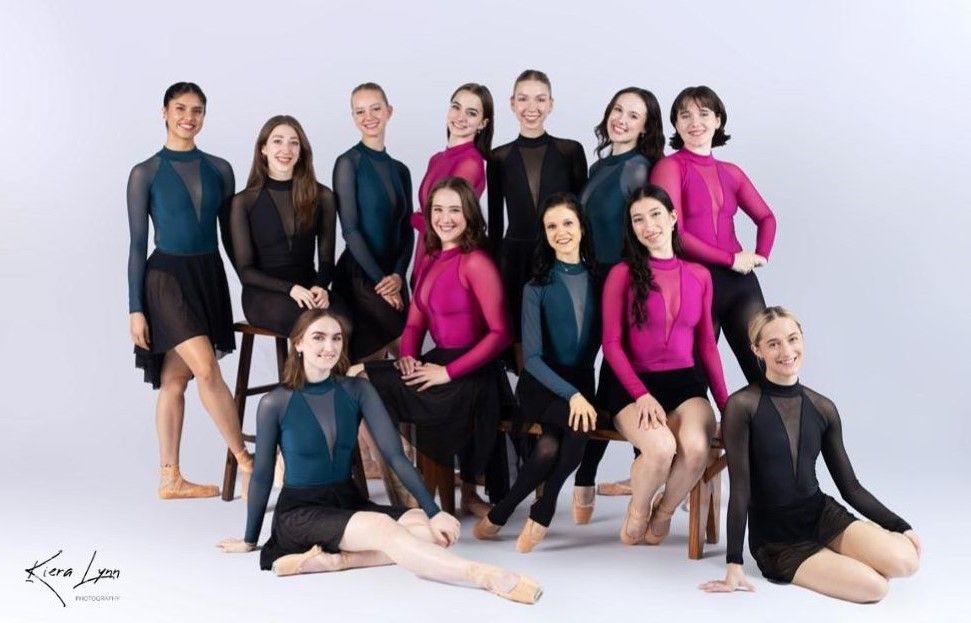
(707, 194)
(181, 318)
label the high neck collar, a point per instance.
(696, 158)
(450, 253)
(273, 184)
(525, 141)
(664, 264)
(568, 268)
(320, 387)
(624, 157)
(781, 390)
(459, 149)
(374, 153)
(171, 154)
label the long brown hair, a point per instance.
(293, 374)
(475, 227)
(305, 185)
(483, 138)
(638, 256)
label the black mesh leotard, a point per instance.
(520, 175)
(773, 435)
(272, 254)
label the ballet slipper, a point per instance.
(173, 486)
(292, 564)
(485, 530)
(614, 488)
(525, 591)
(639, 522)
(582, 512)
(652, 535)
(531, 536)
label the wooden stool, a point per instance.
(243, 391)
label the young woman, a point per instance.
(706, 194)
(374, 205)
(181, 318)
(631, 134)
(774, 431)
(468, 129)
(561, 324)
(656, 315)
(321, 521)
(521, 175)
(452, 393)
(282, 219)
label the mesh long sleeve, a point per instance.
(388, 439)
(496, 204)
(705, 344)
(533, 345)
(326, 236)
(139, 197)
(244, 248)
(406, 235)
(345, 186)
(616, 300)
(477, 271)
(754, 205)
(268, 417)
(736, 420)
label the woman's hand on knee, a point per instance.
(138, 330)
(303, 297)
(407, 365)
(650, 414)
(445, 529)
(582, 414)
(235, 546)
(734, 580)
(321, 297)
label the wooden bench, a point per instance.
(704, 500)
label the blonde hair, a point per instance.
(293, 374)
(764, 317)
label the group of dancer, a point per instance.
(637, 257)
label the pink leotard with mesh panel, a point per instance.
(678, 317)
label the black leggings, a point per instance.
(557, 453)
(736, 300)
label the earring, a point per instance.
(299, 354)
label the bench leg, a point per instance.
(714, 510)
(439, 479)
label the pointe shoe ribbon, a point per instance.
(532, 535)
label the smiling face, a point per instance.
(282, 151)
(696, 126)
(447, 218)
(465, 117)
(183, 117)
(626, 122)
(371, 113)
(320, 346)
(781, 347)
(563, 233)
(653, 225)
(532, 103)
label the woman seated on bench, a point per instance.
(321, 521)
(561, 335)
(774, 431)
(656, 315)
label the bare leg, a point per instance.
(415, 521)
(890, 554)
(198, 355)
(839, 576)
(170, 408)
(648, 471)
(693, 424)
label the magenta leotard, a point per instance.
(459, 299)
(463, 161)
(678, 317)
(706, 194)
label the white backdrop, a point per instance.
(850, 118)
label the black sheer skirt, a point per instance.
(781, 539)
(376, 323)
(278, 312)
(538, 404)
(308, 516)
(185, 296)
(459, 417)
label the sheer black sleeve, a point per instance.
(838, 463)
(229, 189)
(268, 416)
(578, 170)
(735, 435)
(326, 235)
(244, 249)
(496, 205)
(406, 235)
(388, 439)
(139, 196)
(345, 186)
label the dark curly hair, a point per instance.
(651, 142)
(637, 255)
(543, 255)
